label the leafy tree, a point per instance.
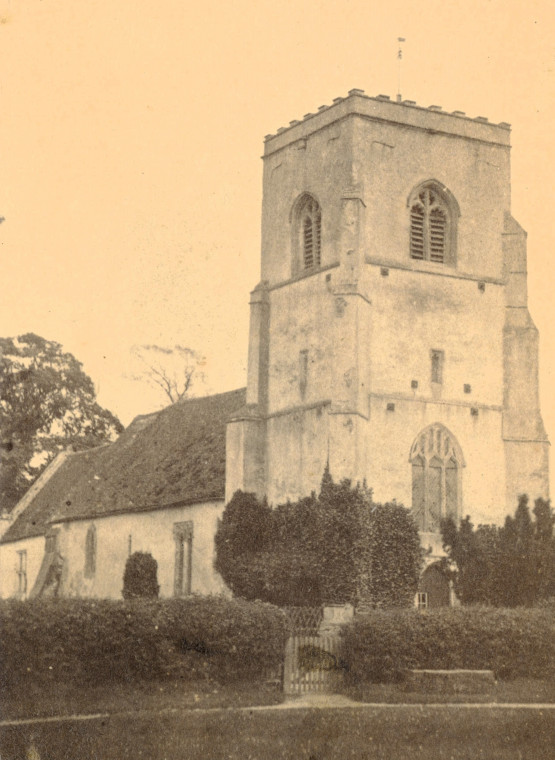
(171, 370)
(517, 562)
(504, 566)
(47, 403)
(336, 547)
(140, 578)
(545, 544)
(473, 557)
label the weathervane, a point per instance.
(400, 40)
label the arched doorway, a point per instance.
(433, 589)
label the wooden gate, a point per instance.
(311, 664)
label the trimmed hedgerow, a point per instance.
(512, 642)
(223, 638)
(78, 640)
(96, 641)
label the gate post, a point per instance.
(335, 615)
(289, 664)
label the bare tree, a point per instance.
(173, 370)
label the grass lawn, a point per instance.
(73, 699)
(519, 691)
(393, 732)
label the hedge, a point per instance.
(228, 638)
(97, 641)
(512, 642)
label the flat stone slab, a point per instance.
(450, 681)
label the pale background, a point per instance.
(130, 141)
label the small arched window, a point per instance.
(90, 552)
(307, 233)
(436, 462)
(433, 215)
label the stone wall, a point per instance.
(115, 537)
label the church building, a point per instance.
(390, 333)
(389, 337)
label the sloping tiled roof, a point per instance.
(176, 455)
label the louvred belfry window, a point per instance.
(308, 242)
(310, 232)
(429, 226)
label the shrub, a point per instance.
(336, 547)
(95, 641)
(140, 578)
(243, 534)
(512, 642)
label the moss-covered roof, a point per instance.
(172, 456)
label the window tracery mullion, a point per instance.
(426, 508)
(443, 499)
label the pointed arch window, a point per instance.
(433, 215)
(90, 552)
(436, 461)
(308, 233)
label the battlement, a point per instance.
(405, 113)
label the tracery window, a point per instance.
(432, 224)
(308, 232)
(436, 461)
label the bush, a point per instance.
(140, 579)
(332, 548)
(243, 534)
(97, 641)
(511, 642)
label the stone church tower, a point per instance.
(390, 334)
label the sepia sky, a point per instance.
(130, 141)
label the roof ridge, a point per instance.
(174, 456)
